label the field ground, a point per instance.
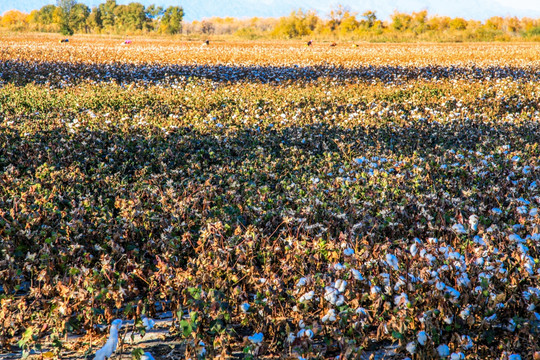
(336, 200)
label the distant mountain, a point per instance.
(200, 9)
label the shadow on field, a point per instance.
(21, 72)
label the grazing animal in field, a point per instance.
(309, 43)
(64, 40)
(333, 44)
(206, 43)
(127, 42)
(110, 346)
(354, 45)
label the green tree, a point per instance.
(78, 18)
(94, 21)
(297, 24)
(171, 21)
(107, 13)
(63, 15)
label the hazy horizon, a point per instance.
(198, 10)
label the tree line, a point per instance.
(69, 16)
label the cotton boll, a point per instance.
(392, 261)
(147, 356)
(330, 316)
(356, 275)
(110, 346)
(443, 350)
(411, 347)
(147, 322)
(466, 342)
(473, 222)
(514, 357)
(340, 285)
(459, 229)
(306, 297)
(457, 356)
(256, 338)
(245, 307)
(348, 252)
(422, 338)
(414, 249)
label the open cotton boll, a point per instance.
(443, 350)
(330, 316)
(422, 338)
(473, 222)
(147, 322)
(348, 252)
(392, 261)
(110, 346)
(307, 296)
(245, 307)
(147, 356)
(256, 338)
(340, 285)
(356, 275)
(411, 347)
(459, 229)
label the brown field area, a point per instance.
(269, 199)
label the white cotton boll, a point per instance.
(514, 357)
(356, 275)
(330, 295)
(307, 296)
(454, 294)
(496, 211)
(516, 238)
(401, 300)
(392, 261)
(291, 337)
(256, 338)
(422, 338)
(466, 342)
(414, 249)
(301, 282)
(449, 319)
(338, 267)
(348, 252)
(459, 229)
(411, 347)
(330, 316)
(147, 322)
(361, 311)
(440, 286)
(522, 210)
(340, 285)
(110, 346)
(340, 300)
(465, 313)
(375, 290)
(245, 307)
(473, 222)
(147, 356)
(457, 356)
(533, 212)
(443, 350)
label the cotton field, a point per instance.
(274, 200)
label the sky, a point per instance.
(200, 9)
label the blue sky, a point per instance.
(199, 9)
